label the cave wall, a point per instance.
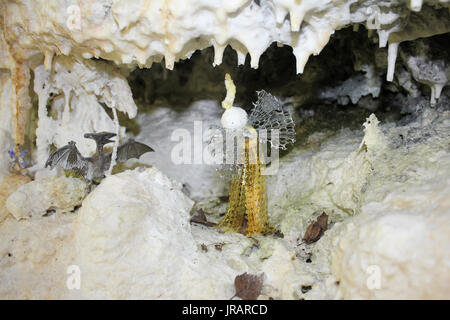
(364, 80)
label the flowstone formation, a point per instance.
(360, 197)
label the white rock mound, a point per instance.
(399, 248)
(133, 240)
(35, 198)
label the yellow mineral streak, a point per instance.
(20, 80)
(20, 101)
(227, 103)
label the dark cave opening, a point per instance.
(349, 54)
(196, 78)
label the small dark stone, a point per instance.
(49, 212)
(305, 289)
(279, 234)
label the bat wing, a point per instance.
(132, 149)
(68, 158)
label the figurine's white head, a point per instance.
(234, 118)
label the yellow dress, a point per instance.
(247, 208)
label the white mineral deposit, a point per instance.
(118, 117)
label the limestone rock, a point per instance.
(35, 255)
(8, 186)
(399, 248)
(133, 33)
(141, 245)
(59, 193)
(134, 227)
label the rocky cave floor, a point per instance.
(382, 179)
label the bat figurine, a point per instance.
(69, 158)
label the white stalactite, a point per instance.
(392, 57)
(416, 5)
